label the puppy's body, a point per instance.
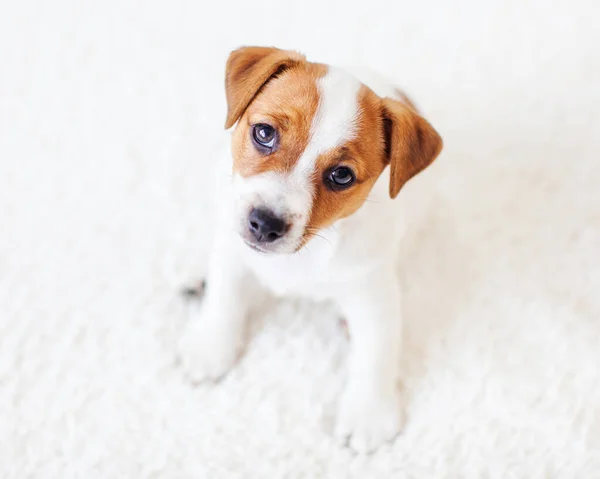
(309, 212)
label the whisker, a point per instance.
(314, 232)
(322, 237)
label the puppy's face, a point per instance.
(309, 144)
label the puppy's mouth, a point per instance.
(256, 248)
(276, 249)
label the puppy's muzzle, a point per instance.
(265, 226)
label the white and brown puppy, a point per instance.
(315, 159)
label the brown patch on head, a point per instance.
(388, 132)
(364, 155)
(288, 103)
(248, 70)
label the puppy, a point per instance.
(315, 159)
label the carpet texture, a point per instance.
(110, 116)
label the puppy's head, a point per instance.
(309, 144)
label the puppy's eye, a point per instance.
(264, 135)
(341, 177)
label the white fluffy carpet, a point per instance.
(110, 113)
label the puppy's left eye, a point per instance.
(264, 135)
(341, 177)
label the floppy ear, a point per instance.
(411, 143)
(248, 70)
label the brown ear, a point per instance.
(411, 143)
(248, 69)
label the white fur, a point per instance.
(288, 196)
(352, 264)
(335, 119)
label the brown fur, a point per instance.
(364, 154)
(287, 103)
(411, 141)
(247, 70)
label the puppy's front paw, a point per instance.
(368, 418)
(208, 350)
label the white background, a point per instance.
(110, 114)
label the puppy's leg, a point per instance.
(214, 335)
(370, 410)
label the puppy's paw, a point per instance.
(208, 350)
(367, 419)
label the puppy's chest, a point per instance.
(308, 273)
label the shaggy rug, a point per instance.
(110, 116)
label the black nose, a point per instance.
(265, 226)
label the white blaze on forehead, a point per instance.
(334, 122)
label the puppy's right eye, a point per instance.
(264, 136)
